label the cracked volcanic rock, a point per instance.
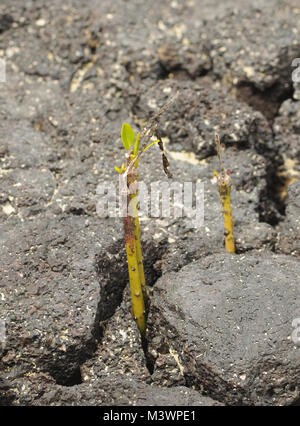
(287, 140)
(252, 51)
(111, 390)
(74, 75)
(289, 230)
(191, 123)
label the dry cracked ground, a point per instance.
(222, 329)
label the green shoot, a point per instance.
(224, 187)
(136, 145)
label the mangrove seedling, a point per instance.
(135, 146)
(224, 187)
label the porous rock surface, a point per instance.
(289, 231)
(227, 320)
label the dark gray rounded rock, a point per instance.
(228, 320)
(49, 296)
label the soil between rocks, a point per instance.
(221, 328)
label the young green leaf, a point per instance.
(136, 145)
(117, 169)
(152, 143)
(127, 136)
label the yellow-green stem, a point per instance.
(139, 255)
(137, 299)
(134, 253)
(137, 234)
(228, 221)
(224, 188)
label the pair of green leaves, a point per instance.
(128, 138)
